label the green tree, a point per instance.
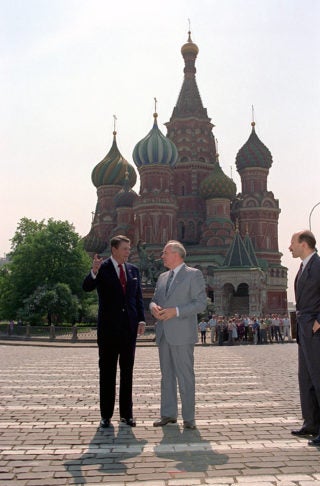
(53, 305)
(43, 255)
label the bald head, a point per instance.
(302, 244)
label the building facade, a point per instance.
(184, 194)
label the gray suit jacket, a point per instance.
(188, 293)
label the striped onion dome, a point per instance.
(111, 170)
(155, 149)
(217, 185)
(93, 244)
(253, 153)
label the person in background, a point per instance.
(286, 328)
(203, 325)
(213, 328)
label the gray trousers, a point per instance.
(177, 367)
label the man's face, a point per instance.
(296, 247)
(170, 258)
(121, 254)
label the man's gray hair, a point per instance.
(177, 247)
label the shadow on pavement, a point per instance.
(195, 455)
(106, 454)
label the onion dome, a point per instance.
(253, 153)
(126, 196)
(93, 244)
(189, 47)
(217, 185)
(155, 149)
(111, 170)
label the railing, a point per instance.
(60, 333)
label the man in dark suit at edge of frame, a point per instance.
(307, 292)
(120, 320)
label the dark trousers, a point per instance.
(309, 380)
(121, 348)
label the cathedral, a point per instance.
(185, 195)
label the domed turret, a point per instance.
(93, 244)
(217, 185)
(189, 47)
(253, 153)
(155, 149)
(126, 196)
(111, 170)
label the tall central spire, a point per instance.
(189, 102)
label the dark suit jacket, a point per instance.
(113, 304)
(307, 290)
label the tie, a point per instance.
(298, 276)
(170, 278)
(300, 271)
(122, 278)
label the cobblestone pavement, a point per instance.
(247, 403)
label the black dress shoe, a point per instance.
(302, 432)
(128, 421)
(315, 442)
(164, 421)
(189, 425)
(105, 423)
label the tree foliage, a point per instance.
(53, 305)
(43, 255)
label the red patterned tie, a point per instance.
(122, 278)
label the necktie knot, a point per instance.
(122, 278)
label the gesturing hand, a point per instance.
(96, 264)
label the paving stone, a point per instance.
(247, 402)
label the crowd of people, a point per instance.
(244, 329)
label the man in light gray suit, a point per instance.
(179, 296)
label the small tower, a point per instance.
(258, 213)
(257, 210)
(108, 177)
(123, 202)
(155, 210)
(218, 190)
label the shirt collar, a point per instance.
(307, 259)
(116, 264)
(176, 270)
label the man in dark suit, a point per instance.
(120, 319)
(307, 291)
(179, 296)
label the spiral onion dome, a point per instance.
(189, 47)
(93, 244)
(253, 153)
(217, 184)
(111, 170)
(155, 149)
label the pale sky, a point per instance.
(67, 66)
